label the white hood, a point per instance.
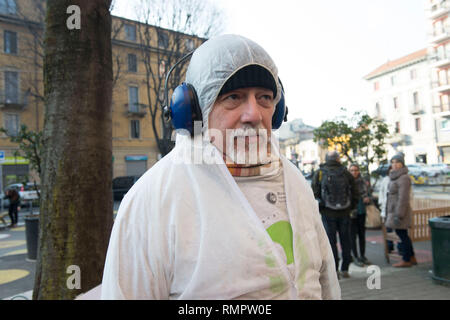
(186, 231)
(216, 60)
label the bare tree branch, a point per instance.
(168, 29)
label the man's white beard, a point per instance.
(237, 151)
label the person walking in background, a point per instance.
(358, 218)
(336, 191)
(382, 201)
(14, 206)
(398, 209)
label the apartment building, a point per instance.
(401, 96)
(439, 56)
(296, 143)
(142, 55)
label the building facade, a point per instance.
(142, 54)
(439, 56)
(401, 96)
(296, 143)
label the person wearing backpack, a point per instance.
(336, 192)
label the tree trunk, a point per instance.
(76, 205)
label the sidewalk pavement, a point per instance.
(413, 283)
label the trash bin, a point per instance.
(440, 246)
(32, 235)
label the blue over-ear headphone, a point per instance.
(184, 107)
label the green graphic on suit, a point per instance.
(281, 233)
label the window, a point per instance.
(397, 127)
(133, 99)
(442, 77)
(189, 44)
(413, 74)
(377, 110)
(11, 87)
(163, 40)
(418, 125)
(132, 63)
(10, 42)
(376, 86)
(444, 100)
(11, 124)
(395, 103)
(445, 125)
(416, 99)
(393, 80)
(8, 7)
(162, 68)
(161, 95)
(130, 32)
(135, 129)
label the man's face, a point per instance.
(244, 119)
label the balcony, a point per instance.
(441, 111)
(438, 37)
(438, 10)
(440, 60)
(416, 109)
(11, 102)
(399, 139)
(136, 110)
(440, 87)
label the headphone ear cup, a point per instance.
(195, 105)
(184, 108)
(279, 114)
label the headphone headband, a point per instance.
(184, 107)
(166, 93)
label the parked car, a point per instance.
(382, 170)
(445, 168)
(416, 171)
(428, 170)
(121, 185)
(425, 174)
(308, 175)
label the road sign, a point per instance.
(2, 156)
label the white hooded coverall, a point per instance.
(186, 231)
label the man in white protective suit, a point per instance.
(223, 215)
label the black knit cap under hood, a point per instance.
(250, 76)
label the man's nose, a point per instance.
(252, 113)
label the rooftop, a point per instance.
(402, 62)
(295, 129)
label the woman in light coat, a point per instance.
(382, 202)
(382, 194)
(398, 208)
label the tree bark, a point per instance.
(76, 205)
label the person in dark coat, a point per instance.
(358, 218)
(14, 206)
(398, 209)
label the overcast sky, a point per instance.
(323, 49)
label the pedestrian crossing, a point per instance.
(11, 275)
(13, 244)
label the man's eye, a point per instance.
(232, 96)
